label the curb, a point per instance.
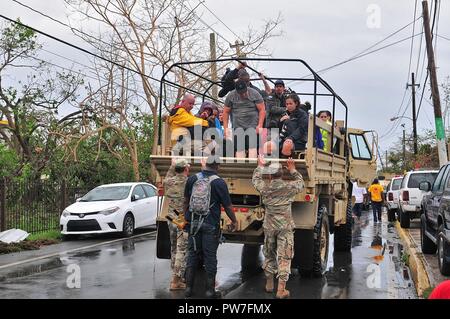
(416, 261)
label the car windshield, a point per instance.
(396, 183)
(108, 193)
(416, 179)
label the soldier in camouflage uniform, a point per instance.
(277, 196)
(174, 185)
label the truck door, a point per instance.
(363, 162)
(435, 198)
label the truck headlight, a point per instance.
(109, 211)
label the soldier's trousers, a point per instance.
(178, 248)
(278, 252)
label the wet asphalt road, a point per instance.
(130, 269)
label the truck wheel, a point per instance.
(162, 240)
(250, 257)
(321, 243)
(343, 233)
(427, 245)
(311, 247)
(404, 219)
(443, 252)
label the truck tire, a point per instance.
(251, 257)
(443, 249)
(427, 245)
(404, 219)
(162, 240)
(321, 243)
(343, 233)
(311, 247)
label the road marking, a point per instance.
(72, 250)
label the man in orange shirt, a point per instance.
(377, 198)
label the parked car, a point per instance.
(392, 197)
(111, 208)
(410, 196)
(434, 222)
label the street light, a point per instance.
(399, 117)
(414, 131)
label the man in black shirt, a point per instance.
(204, 232)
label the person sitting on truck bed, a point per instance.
(182, 121)
(277, 195)
(294, 127)
(275, 105)
(246, 106)
(326, 117)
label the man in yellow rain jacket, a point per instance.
(182, 121)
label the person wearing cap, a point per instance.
(275, 105)
(182, 121)
(277, 196)
(247, 109)
(205, 240)
(174, 184)
(244, 76)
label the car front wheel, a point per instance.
(128, 225)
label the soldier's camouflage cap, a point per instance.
(273, 168)
(181, 163)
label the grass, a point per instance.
(33, 242)
(48, 235)
(405, 259)
(427, 292)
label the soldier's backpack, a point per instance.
(200, 200)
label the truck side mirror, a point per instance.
(425, 186)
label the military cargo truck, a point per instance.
(324, 206)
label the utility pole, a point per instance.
(440, 132)
(404, 147)
(387, 166)
(214, 78)
(237, 45)
(414, 118)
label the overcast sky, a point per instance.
(323, 33)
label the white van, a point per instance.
(410, 196)
(392, 193)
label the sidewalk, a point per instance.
(424, 267)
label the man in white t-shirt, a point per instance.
(359, 193)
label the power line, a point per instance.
(363, 55)
(77, 47)
(412, 40)
(204, 23)
(220, 20)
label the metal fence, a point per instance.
(35, 205)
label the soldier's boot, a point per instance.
(282, 293)
(269, 283)
(177, 283)
(190, 278)
(211, 292)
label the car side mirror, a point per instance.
(78, 199)
(425, 186)
(134, 198)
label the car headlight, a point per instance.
(109, 211)
(65, 213)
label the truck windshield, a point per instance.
(360, 149)
(417, 178)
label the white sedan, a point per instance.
(112, 208)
